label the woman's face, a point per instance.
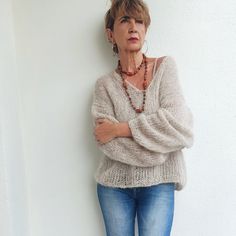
(128, 33)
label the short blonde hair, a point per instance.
(132, 8)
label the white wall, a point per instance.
(13, 189)
(60, 51)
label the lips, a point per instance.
(133, 38)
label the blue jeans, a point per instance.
(154, 206)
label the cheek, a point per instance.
(119, 34)
(119, 38)
(141, 30)
(142, 34)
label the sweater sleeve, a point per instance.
(122, 149)
(171, 127)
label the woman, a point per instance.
(141, 124)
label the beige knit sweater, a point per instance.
(154, 153)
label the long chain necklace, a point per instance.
(137, 110)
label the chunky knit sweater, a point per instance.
(154, 153)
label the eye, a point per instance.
(139, 21)
(124, 20)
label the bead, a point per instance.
(145, 84)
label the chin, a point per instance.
(134, 49)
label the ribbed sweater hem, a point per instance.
(179, 183)
(116, 174)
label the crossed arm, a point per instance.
(144, 140)
(106, 130)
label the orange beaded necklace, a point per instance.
(137, 110)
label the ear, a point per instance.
(110, 37)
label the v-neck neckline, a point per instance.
(154, 75)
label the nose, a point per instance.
(132, 27)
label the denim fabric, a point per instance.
(153, 205)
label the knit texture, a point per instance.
(154, 153)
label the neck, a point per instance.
(130, 61)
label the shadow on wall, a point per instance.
(105, 54)
(105, 48)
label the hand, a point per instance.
(105, 130)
